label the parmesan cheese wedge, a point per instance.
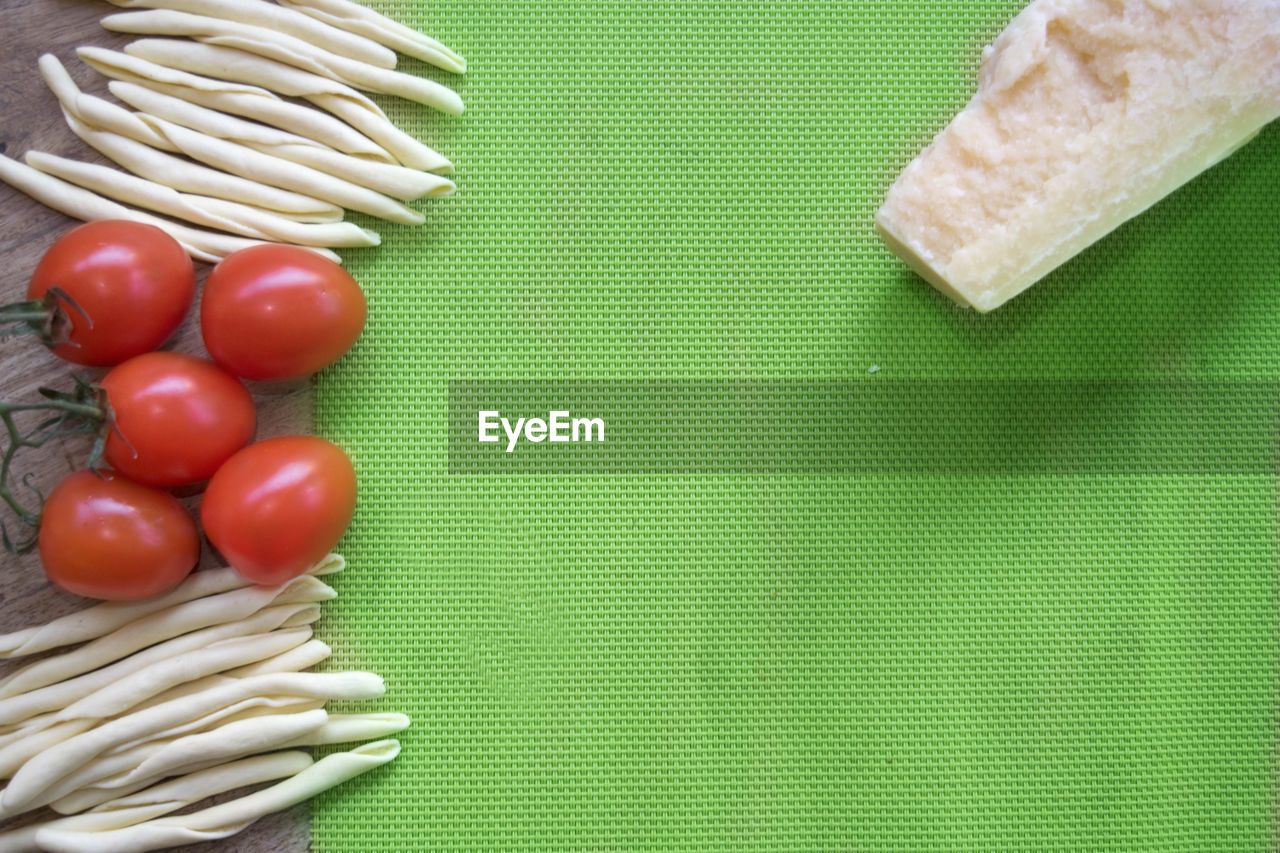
(1087, 113)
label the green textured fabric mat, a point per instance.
(1039, 661)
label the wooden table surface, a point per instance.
(30, 119)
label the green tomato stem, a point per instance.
(46, 318)
(81, 411)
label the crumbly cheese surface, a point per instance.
(1087, 113)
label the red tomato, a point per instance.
(279, 312)
(175, 418)
(107, 537)
(132, 281)
(278, 506)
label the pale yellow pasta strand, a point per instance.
(406, 148)
(303, 657)
(86, 798)
(164, 625)
(44, 770)
(341, 100)
(17, 753)
(95, 111)
(392, 180)
(93, 622)
(164, 798)
(145, 764)
(254, 165)
(347, 728)
(205, 750)
(46, 732)
(125, 693)
(19, 712)
(244, 709)
(366, 22)
(96, 121)
(16, 742)
(281, 19)
(238, 66)
(230, 216)
(291, 51)
(226, 819)
(244, 100)
(194, 787)
(151, 101)
(79, 203)
(197, 179)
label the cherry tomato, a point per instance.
(278, 506)
(279, 312)
(175, 418)
(104, 536)
(132, 281)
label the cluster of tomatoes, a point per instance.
(117, 290)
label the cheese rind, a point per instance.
(1087, 113)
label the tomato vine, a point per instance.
(81, 411)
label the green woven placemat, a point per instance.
(1042, 661)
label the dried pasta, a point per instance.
(45, 769)
(81, 204)
(230, 216)
(163, 625)
(366, 22)
(240, 99)
(348, 104)
(93, 622)
(393, 180)
(226, 819)
(333, 39)
(290, 51)
(164, 798)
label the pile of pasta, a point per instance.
(249, 123)
(172, 700)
